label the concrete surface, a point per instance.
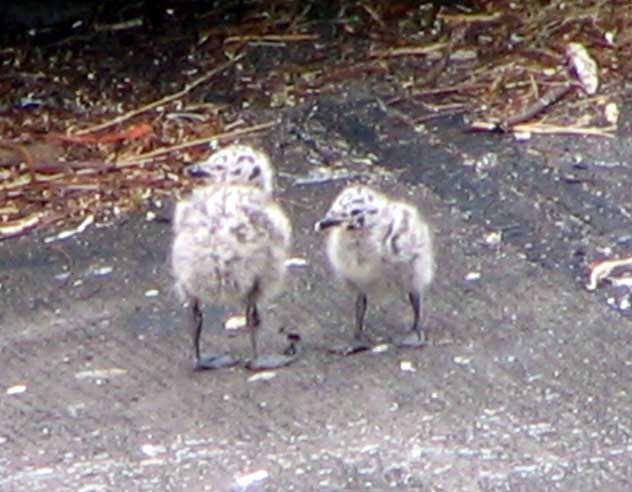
(524, 384)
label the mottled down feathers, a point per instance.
(377, 243)
(231, 238)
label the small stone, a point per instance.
(522, 135)
(16, 390)
(262, 376)
(245, 481)
(611, 113)
(461, 360)
(382, 347)
(152, 449)
(494, 238)
(236, 322)
(296, 262)
(610, 37)
(106, 270)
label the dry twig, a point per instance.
(543, 102)
(272, 38)
(408, 50)
(167, 99)
(604, 269)
(148, 156)
(546, 129)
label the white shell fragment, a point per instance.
(16, 390)
(71, 232)
(296, 262)
(585, 67)
(236, 322)
(245, 481)
(494, 238)
(100, 373)
(611, 112)
(382, 347)
(603, 270)
(473, 276)
(610, 37)
(152, 450)
(152, 293)
(522, 135)
(621, 281)
(407, 366)
(100, 271)
(262, 376)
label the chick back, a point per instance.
(229, 240)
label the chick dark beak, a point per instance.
(195, 171)
(326, 224)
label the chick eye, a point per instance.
(256, 172)
(355, 212)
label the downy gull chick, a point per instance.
(231, 242)
(378, 245)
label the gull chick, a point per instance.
(378, 245)
(231, 241)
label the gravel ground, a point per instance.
(525, 381)
(524, 384)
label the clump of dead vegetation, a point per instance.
(98, 124)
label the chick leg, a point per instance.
(253, 321)
(209, 362)
(359, 343)
(267, 361)
(360, 312)
(415, 302)
(417, 337)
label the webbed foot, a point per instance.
(355, 347)
(220, 361)
(411, 340)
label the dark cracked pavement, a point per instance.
(524, 384)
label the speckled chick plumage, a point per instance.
(231, 239)
(378, 244)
